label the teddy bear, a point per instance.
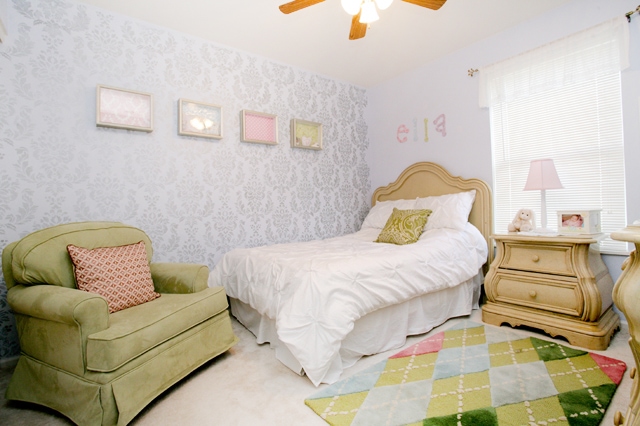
(523, 221)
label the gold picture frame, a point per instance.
(306, 134)
(259, 127)
(199, 119)
(124, 109)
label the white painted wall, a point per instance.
(444, 87)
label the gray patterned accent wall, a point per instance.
(196, 198)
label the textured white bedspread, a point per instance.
(316, 290)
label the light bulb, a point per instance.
(369, 13)
(352, 7)
(383, 4)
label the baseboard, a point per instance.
(6, 363)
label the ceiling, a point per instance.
(317, 38)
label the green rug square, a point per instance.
(338, 410)
(512, 352)
(576, 373)
(464, 337)
(541, 411)
(460, 393)
(408, 369)
(548, 351)
(483, 417)
(586, 407)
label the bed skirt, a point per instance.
(376, 332)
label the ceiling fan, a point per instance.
(363, 11)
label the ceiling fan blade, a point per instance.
(297, 5)
(429, 4)
(358, 30)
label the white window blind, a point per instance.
(545, 106)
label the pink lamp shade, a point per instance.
(542, 175)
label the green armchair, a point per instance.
(96, 367)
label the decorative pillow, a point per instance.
(120, 274)
(404, 227)
(381, 211)
(449, 210)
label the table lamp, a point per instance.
(543, 176)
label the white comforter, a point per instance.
(316, 290)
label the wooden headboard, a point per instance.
(425, 179)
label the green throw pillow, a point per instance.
(404, 226)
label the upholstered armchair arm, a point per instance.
(179, 277)
(54, 323)
(60, 304)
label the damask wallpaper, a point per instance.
(196, 198)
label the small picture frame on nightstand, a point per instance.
(572, 222)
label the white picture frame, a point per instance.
(579, 222)
(124, 109)
(306, 134)
(259, 127)
(199, 119)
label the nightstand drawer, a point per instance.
(536, 258)
(556, 296)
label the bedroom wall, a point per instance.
(196, 198)
(458, 130)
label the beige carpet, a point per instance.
(248, 386)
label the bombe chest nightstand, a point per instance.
(556, 284)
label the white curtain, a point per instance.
(582, 56)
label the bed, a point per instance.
(324, 304)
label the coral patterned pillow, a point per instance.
(120, 274)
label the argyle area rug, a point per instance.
(478, 375)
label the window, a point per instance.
(561, 101)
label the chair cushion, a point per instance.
(121, 274)
(42, 258)
(135, 330)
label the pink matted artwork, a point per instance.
(259, 127)
(124, 109)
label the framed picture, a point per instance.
(579, 222)
(306, 134)
(124, 109)
(199, 119)
(259, 127)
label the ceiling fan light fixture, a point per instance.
(369, 13)
(383, 4)
(352, 7)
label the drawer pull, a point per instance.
(632, 373)
(533, 293)
(618, 419)
(535, 258)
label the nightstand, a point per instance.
(556, 284)
(626, 296)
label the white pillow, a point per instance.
(449, 210)
(380, 213)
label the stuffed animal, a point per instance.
(523, 222)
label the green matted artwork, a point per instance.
(306, 134)
(476, 374)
